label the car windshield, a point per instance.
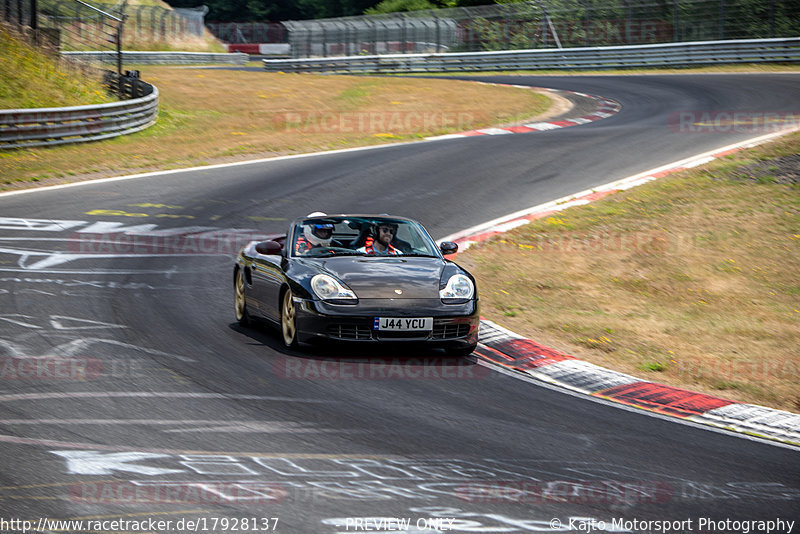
(361, 236)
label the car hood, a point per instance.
(388, 277)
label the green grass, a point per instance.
(356, 96)
(31, 79)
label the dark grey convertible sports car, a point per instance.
(358, 278)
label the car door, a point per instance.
(267, 278)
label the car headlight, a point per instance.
(329, 288)
(459, 287)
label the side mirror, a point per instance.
(448, 247)
(268, 248)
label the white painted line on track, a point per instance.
(487, 131)
(621, 184)
(494, 131)
(147, 395)
(698, 162)
(202, 168)
(149, 422)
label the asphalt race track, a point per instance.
(128, 392)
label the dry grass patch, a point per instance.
(215, 115)
(30, 79)
(690, 281)
(205, 43)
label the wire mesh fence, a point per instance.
(77, 25)
(545, 24)
(74, 25)
(249, 32)
(82, 26)
(510, 26)
(142, 23)
(92, 26)
(18, 12)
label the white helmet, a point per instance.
(311, 231)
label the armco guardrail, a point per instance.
(161, 58)
(25, 128)
(610, 57)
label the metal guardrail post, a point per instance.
(585, 21)
(139, 21)
(772, 18)
(438, 35)
(374, 36)
(153, 22)
(675, 21)
(403, 35)
(162, 25)
(349, 45)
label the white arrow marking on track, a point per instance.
(99, 463)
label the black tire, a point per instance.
(288, 320)
(240, 300)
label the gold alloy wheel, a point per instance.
(287, 320)
(241, 304)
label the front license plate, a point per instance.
(403, 324)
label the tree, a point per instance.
(395, 6)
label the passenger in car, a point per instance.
(381, 244)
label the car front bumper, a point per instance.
(454, 325)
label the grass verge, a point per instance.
(216, 115)
(690, 281)
(31, 79)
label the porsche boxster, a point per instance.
(358, 279)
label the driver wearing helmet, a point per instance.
(381, 243)
(315, 235)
